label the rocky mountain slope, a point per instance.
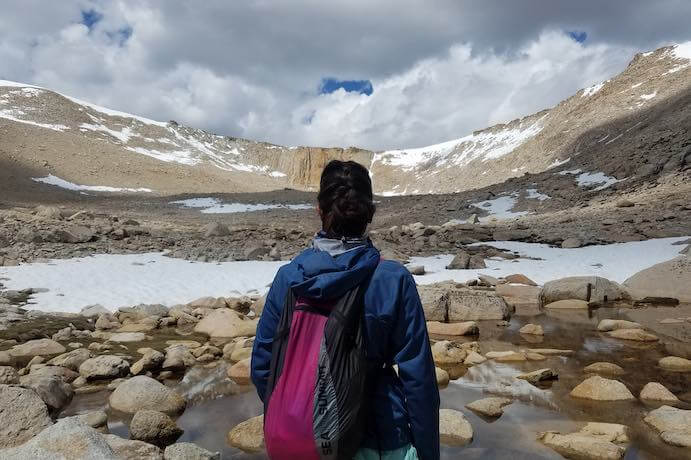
(633, 125)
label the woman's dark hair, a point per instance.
(345, 199)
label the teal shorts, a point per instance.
(404, 453)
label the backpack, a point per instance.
(314, 404)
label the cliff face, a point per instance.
(640, 117)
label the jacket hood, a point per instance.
(321, 275)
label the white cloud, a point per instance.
(252, 69)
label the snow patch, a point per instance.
(500, 208)
(62, 183)
(592, 89)
(10, 115)
(682, 51)
(179, 156)
(216, 206)
(636, 85)
(558, 162)
(647, 97)
(532, 193)
(123, 135)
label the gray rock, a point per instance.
(189, 451)
(154, 427)
(151, 360)
(673, 425)
(23, 414)
(129, 449)
(570, 243)
(38, 347)
(226, 323)
(96, 419)
(70, 439)
(54, 391)
(72, 359)
(591, 289)
(143, 392)
(104, 367)
(93, 310)
(454, 429)
(666, 279)
(8, 375)
(596, 441)
(75, 234)
(460, 262)
(178, 358)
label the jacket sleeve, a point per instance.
(268, 322)
(416, 371)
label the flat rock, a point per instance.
(454, 429)
(567, 304)
(551, 351)
(654, 391)
(597, 388)
(127, 337)
(23, 414)
(532, 329)
(226, 323)
(539, 375)
(510, 357)
(248, 436)
(675, 363)
(596, 441)
(474, 358)
(69, 438)
(604, 368)
(638, 335)
(189, 451)
(462, 328)
(519, 278)
(491, 407)
(38, 347)
(104, 367)
(142, 392)
(673, 425)
(607, 325)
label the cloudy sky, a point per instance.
(375, 74)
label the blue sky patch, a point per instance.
(329, 85)
(578, 35)
(90, 18)
(121, 35)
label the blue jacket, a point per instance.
(405, 408)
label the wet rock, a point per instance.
(654, 391)
(673, 425)
(189, 451)
(129, 449)
(533, 329)
(104, 367)
(178, 358)
(491, 407)
(607, 325)
(154, 427)
(142, 392)
(604, 369)
(226, 323)
(215, 229)
(240, 372)
(442, 377)
(8, 375)
(638, 335)
(675, 363)
(567, 304)
(68, 438)
(463, 328)
(447, 352)
(591, 289)
(54, 391)
(151, 360)
(597, 441)
(454, 429)
(600, 389)
(23, 414)
(519, 279)
(38, 347)
(666, 279)
(540, 375)
(474, 358)
(571, 243)
(248, 435)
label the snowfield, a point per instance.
(56, 181)
(216, 206)
(125, 280)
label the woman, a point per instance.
(402, 406)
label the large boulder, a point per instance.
(23, 414)
(248, 435)
(54, 391)
(189, 451)
(226, 323)
(600, 389)
(154, 427)
(449, 302)
(69, 438)
(591, 289)
(142, 392)
(454, 429)
(38, 347)
(104, 367)
(666, 279)
(673, 425)
(596, 441)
